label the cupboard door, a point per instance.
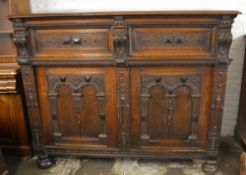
(170, 107)
(78, 106)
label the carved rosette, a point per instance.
(220, 74)
(119, 34)
(76, 83)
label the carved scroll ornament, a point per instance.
(224, 39)
(20, 39)
(223, 46)
(119, 33)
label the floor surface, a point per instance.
(228, 163)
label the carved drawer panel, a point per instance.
(72, 42)
(172, 42)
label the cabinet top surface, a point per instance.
(128, 13)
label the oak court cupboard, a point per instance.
(125, 84)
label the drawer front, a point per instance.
(72, 42)
(144, 43)
(172, 42)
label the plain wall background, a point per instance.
(238, 30)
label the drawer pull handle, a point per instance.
(72, 41)
(180, 41)
(76, 41)
(173, 40)
(66, 41)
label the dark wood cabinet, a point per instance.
(14, 138)
(125, 84)
(241, 120)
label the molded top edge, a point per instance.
(125, 13)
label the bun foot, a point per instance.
(210, 167)
(45, 162)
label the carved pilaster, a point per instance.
(224, 39)
(21, 40)
(119, 34)
(219, 84)
(32, 103)
(34, 117)
(210, 166)
(123, 107)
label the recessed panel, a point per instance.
(172, 42)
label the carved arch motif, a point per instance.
(76, 83)
(170, 84)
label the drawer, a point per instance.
(169, 42)
(72, 43)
